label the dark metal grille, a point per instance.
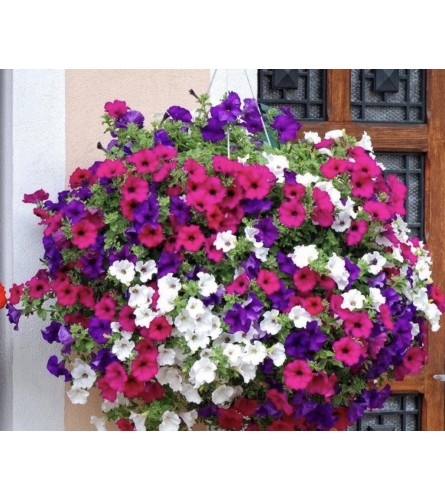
(304, 90)
(401, 412)
(385, 96)
(409, 168)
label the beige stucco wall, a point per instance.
(149, 91)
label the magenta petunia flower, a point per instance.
(292, 213)
(348, 351)
(297, 375)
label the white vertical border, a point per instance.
(5, 244)
(38, 161)
(233, 79)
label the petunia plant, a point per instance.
(214, 268)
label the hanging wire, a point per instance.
(228, 129)
(258, 107)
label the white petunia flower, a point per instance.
(225, 241)
(223, 394)
(375, 262)
(169, 286)
(115, 327)
(138, 421)
(99, 423)
(123, 271)
(215, 330)
(342, 222)
(254, 353)
(191, 394)
(277, 164)
(334, 134)
(423, 269)
(376, 297)
(203, 322)
(337, 271)
(170, 422)
(270, 323)
(365, 142)
(202, 371)
(307, 179)
(312, 137)
(194, 307)
(144, 316)
(261, 253)
(121, 400)
(189, 418)
(353, 299)
(146, 270)
(303, 255)
(123, 347)
(207, 284)
(165, 356)
(140, 295)
(277, 354)
(247, 371)
(299, 316)
(165, 304)
(83, 375)
(78, 396)
(171, 376)
(250, 233)
(184, 322)
(233, 353)
(196, 340)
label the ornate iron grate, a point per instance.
(409, 168)
(401, 412)
(304, 90)
(396, 95)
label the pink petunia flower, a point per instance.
(151, 236)
(268, 281)
(135, 188)
(239, 286)
(256, 181)
(348, 351)
(355, 233)
(358, 324)
(305, 279)
(111, 168)
(297, 375)
(377, 210)
(191, 238)
(105, 308)
(159, 329)
(292, 213)
(334, 167)
(144, 368)
(84, 234)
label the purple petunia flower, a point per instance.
(147, 212)
(57, 368)
(132, 116)
(51, 332)
(358, 407)
(251, 118)
(301, 405)
(102, 359)
(213, 131)
(280, 299)
(161, 137)
(300, 342)
(168, 262)
(254, 207)
(180, 210)
(253, 307)
(353, 270)
(252, 266)
(74, 211)
(286, 264)
(123, 254)
(177, 113)
(214, 298)
(91, 264)
(228, 110)
(322, 416)
(237, 319)
(66, 339)
(286, 125)
(14, 315)
(98, 329)
(268, 233)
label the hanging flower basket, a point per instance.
(216, 269)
